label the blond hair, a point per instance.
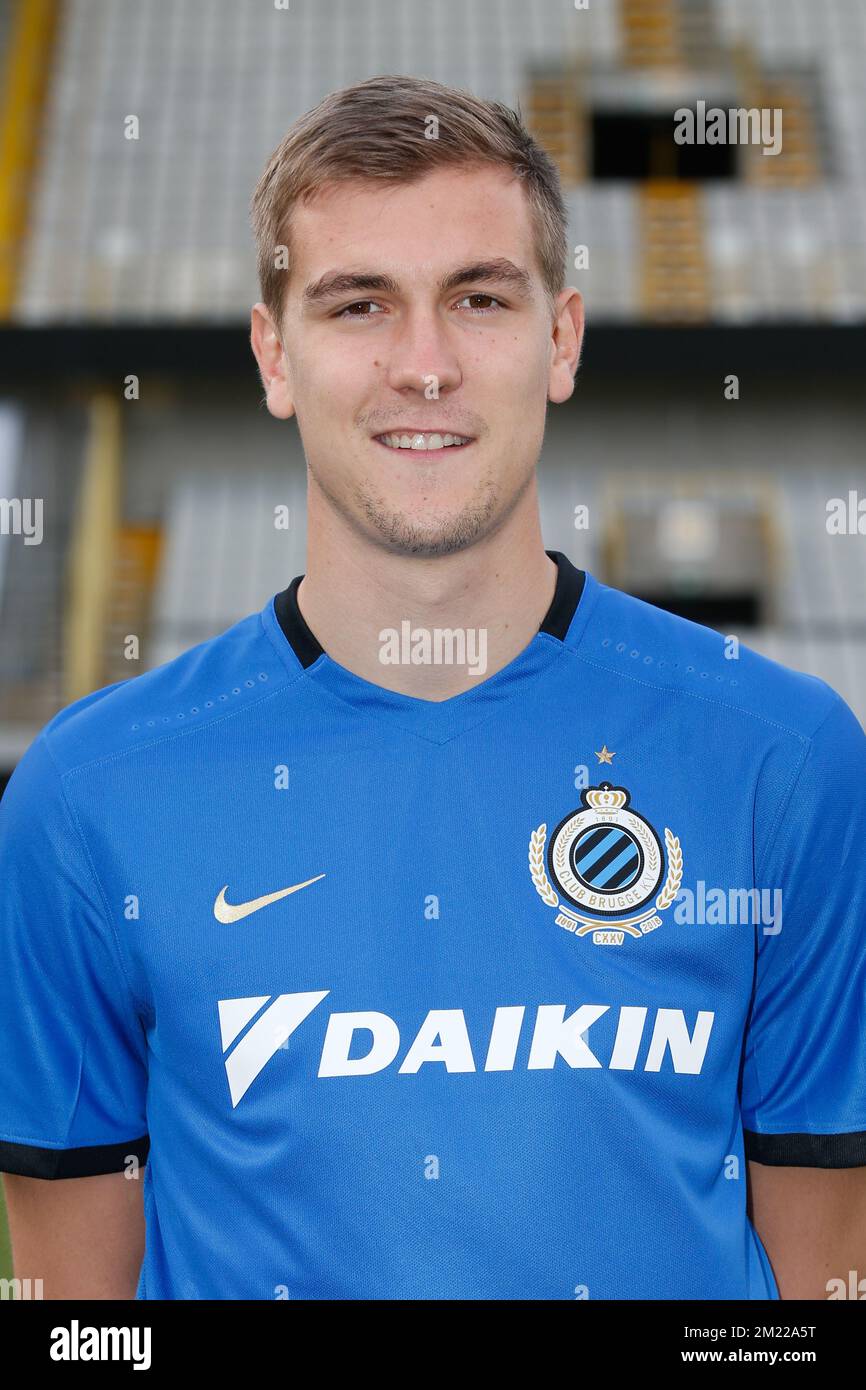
(376, 130)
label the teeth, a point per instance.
(423, 441)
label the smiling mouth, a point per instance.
(423, 441)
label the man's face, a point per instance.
(419, 342)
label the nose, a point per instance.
(423, 356)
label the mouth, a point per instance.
(423, 444)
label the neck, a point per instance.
(496, 593)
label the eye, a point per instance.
(359, 304)
(479, 295)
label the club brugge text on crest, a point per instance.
(608, 863)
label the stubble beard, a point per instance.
(370, 515)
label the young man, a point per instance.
(387, 962)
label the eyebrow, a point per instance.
(334, 284)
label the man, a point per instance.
(384, 962)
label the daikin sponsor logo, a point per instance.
(254, 1029)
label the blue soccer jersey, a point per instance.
(491, 997)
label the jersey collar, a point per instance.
(437, 720)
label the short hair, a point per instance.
(376, 130)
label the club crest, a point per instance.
(607, 862)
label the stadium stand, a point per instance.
(160, 512)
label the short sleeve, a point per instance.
(803, 1097)
(73, 1074)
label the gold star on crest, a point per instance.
(605, 756)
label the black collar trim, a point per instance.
(557, 620)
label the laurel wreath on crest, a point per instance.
(545, 888)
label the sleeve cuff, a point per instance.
(31, 1161)
(806, 1150)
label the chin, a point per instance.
(405, 535)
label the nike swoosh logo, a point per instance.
(233, 912)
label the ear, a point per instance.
(274, 368)
(566, 341)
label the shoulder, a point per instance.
(215, 679)
(662, 652)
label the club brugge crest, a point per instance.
(608, 863)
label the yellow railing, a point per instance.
(92, 552)
(22, 96)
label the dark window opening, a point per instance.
(640, 145)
